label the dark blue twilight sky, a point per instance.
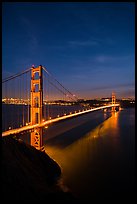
(88, 47)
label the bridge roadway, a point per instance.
(30, 127)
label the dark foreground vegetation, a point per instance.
(29, 176)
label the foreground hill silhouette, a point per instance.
(29, 175)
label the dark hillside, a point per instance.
(29, 175)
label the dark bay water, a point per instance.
(98, 160)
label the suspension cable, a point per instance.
(16, 75)
(58, 82)
(59, 89)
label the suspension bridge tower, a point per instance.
(36, 106)
(113, 101)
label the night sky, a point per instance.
(88, 47)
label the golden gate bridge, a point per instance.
(42, 100)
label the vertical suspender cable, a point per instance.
(6, 125)
(48, 95)
(20, 122)
(23, 98)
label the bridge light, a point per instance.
(58, 115)
(70, 112)
(9, 128)
(64, 113)
(94, 136)
(46, 127)
(43, 120)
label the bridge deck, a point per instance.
(30, 127)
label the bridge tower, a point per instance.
(36, 106)
(113, 101)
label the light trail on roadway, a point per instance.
(30, 127)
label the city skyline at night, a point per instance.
(88, 47)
